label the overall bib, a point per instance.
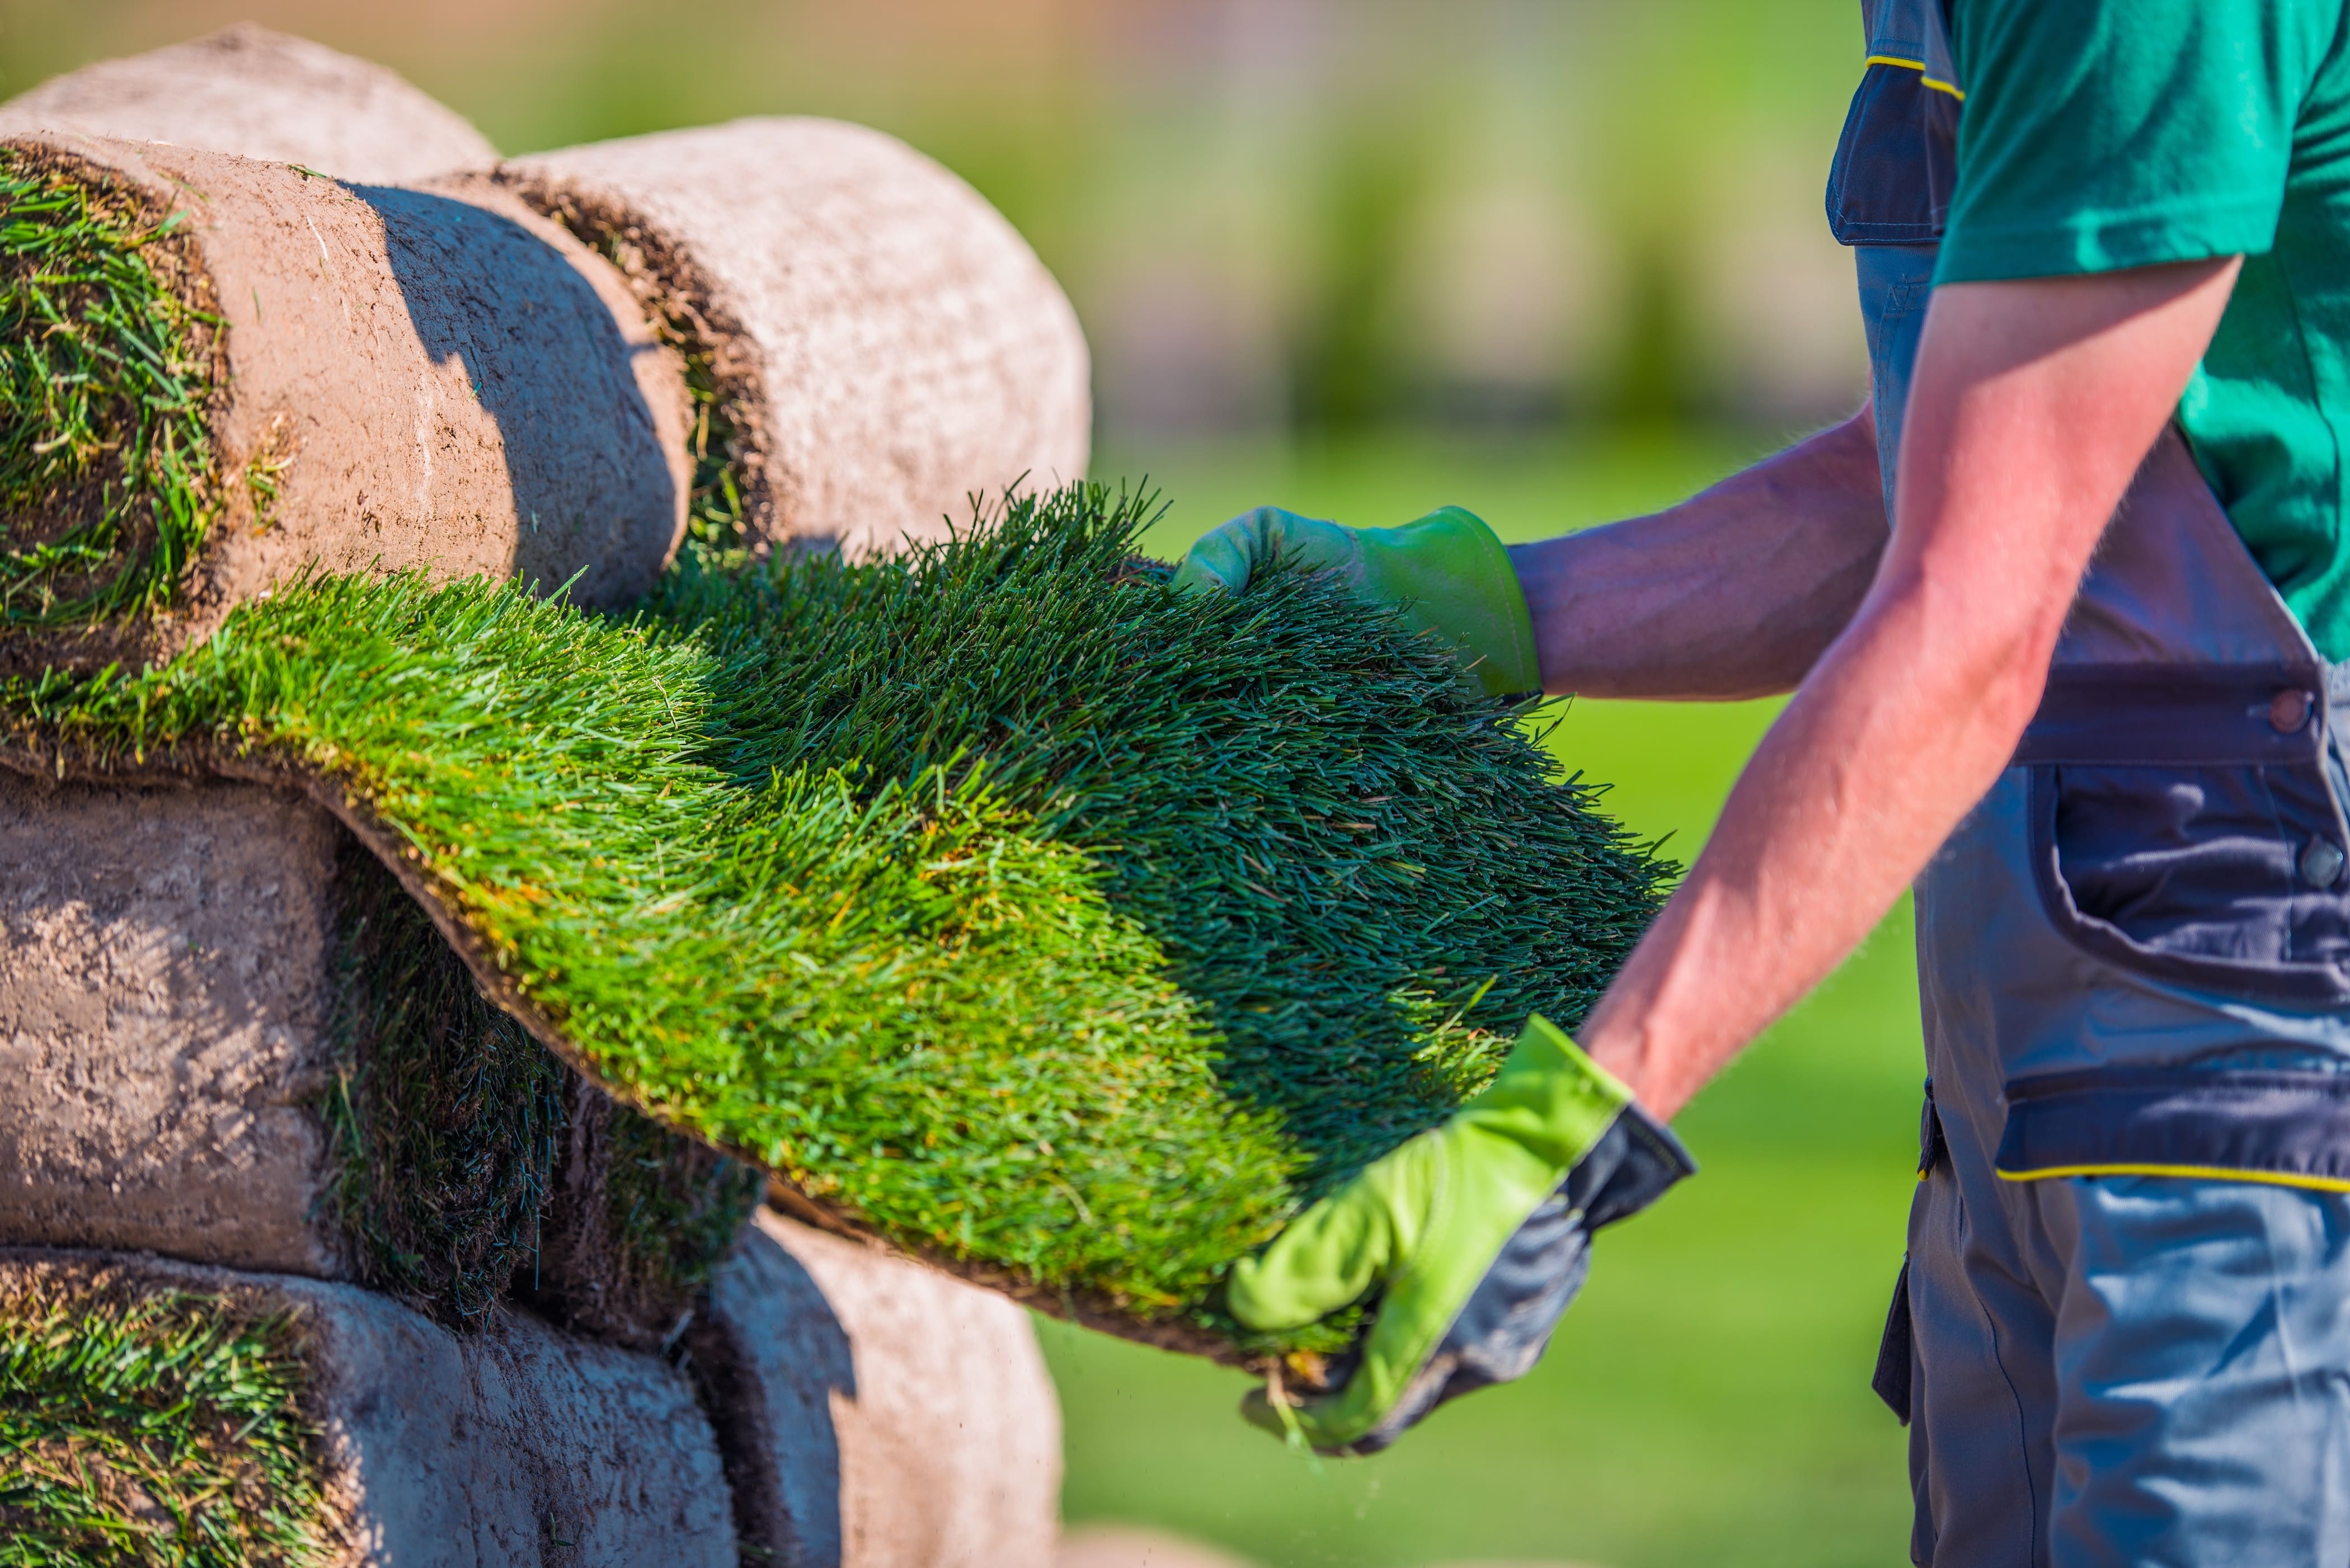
(2122, 1335)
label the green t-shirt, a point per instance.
(2099, 134)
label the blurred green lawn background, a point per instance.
(1706, 1401)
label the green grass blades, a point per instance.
(458, 1170)
(1364, 879)
(442, 1115)
(157, 1429)
(1035, 914)
(106, 482)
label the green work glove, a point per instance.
(1446, 574)
(1476, 1235)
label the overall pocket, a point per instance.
(2224, 875)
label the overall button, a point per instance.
(2321, 863)
(2288, 711)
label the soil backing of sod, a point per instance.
(867, 340)
(217, 373)
(1000, 902)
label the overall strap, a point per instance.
(2172, 583)
(1895, 163)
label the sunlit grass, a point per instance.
(1018, 907)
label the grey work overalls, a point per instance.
(2123, 1331)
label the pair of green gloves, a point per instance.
(1475, 1236)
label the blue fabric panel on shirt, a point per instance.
(2277, 1123)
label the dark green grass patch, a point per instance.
(1028, 912)
(162, 1428)
(641, 1217)
(442, 1114)
(467, 1165)
(105, 463)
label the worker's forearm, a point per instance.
(2033, 402)
(1734, 593)
(1874, 761)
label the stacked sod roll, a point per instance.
(243, 1043)
(870, 344)
(827, 1406)
(222, 374)
(264, 95)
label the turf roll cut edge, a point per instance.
(866, 340)
(999, 901)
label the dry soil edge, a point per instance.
(165, 993)
(876, 1414)
(259, 94)
(509, 1449)
(889, 343)
(438, 378)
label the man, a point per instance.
(2103, 253)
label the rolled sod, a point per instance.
(232, 1038)
(1000, 902)
(872, 1410)
(217, 373)
(869, 342)
(263, 95)
(831, 1404)
(157, 1414)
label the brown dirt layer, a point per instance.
(263, 95)
(437, 377)
(885, 342)
(873, 1414)
(163, 1021)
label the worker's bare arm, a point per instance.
(2031, 406)
(1734, 593)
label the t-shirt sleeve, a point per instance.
(2100, 134)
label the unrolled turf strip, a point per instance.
(1000, 901)
(997, 900)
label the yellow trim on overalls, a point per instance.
(2198, 1172)
(1920, 66)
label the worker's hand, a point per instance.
(1446, 574)
(1476, 1235)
